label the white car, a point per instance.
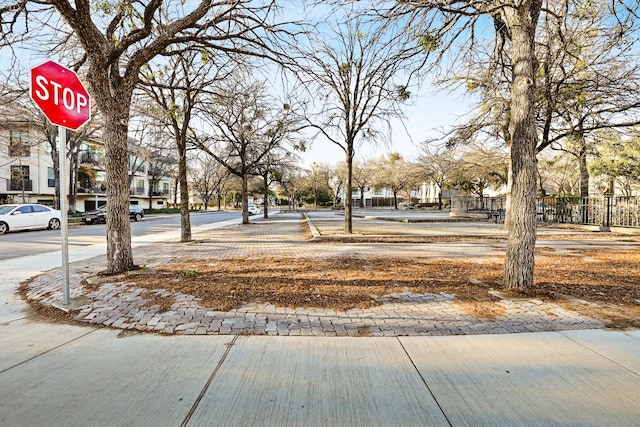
(25, 217)
(254, 210)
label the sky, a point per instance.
(426, 117)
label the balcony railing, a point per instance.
(19, 185)
(90, 158)
(96, 189)
(138, 191)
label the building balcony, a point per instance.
(90, 158)
(138, 191)
(19, 185)
(96, 189)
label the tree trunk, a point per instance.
(266, 196)
(119, 253)
(348, 224)
(74, 167)
(245, 199)
(175, 192)
(56, 169)
(150, 196)
(185, 219)
(584, 170)
(519, 259)
(507, 201)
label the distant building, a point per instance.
(27, 172)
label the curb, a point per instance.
(314, 231)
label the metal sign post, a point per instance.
(63, 99)
(64, 210)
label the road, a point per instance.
(15, 245)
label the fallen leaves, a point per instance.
(342, 283)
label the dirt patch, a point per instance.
(481, 310)
(337, 283)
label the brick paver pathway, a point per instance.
(123, 306)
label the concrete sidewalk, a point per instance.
(60, 375)
(65, 375)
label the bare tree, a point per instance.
(209, 178)
(358, 73)
(177, 89)
(337, 181)
(291, 181)
(272, 169)
(362, 177)
(589, 79)
(246, 126)
(558, 174)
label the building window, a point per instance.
(20, 180)
(139, 188)
(51, 178)
(19, 143)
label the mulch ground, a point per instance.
(601, 284)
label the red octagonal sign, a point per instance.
(60, 95)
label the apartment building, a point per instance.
(27, 172)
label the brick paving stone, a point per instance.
(119, 305)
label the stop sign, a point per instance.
(60, 95)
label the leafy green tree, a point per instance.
(620, 160)
(396, 174)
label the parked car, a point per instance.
(254, 210)
(28, 216)
(136, 212)
(100, 215)
(405, 206)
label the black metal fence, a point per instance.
(602, 211)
